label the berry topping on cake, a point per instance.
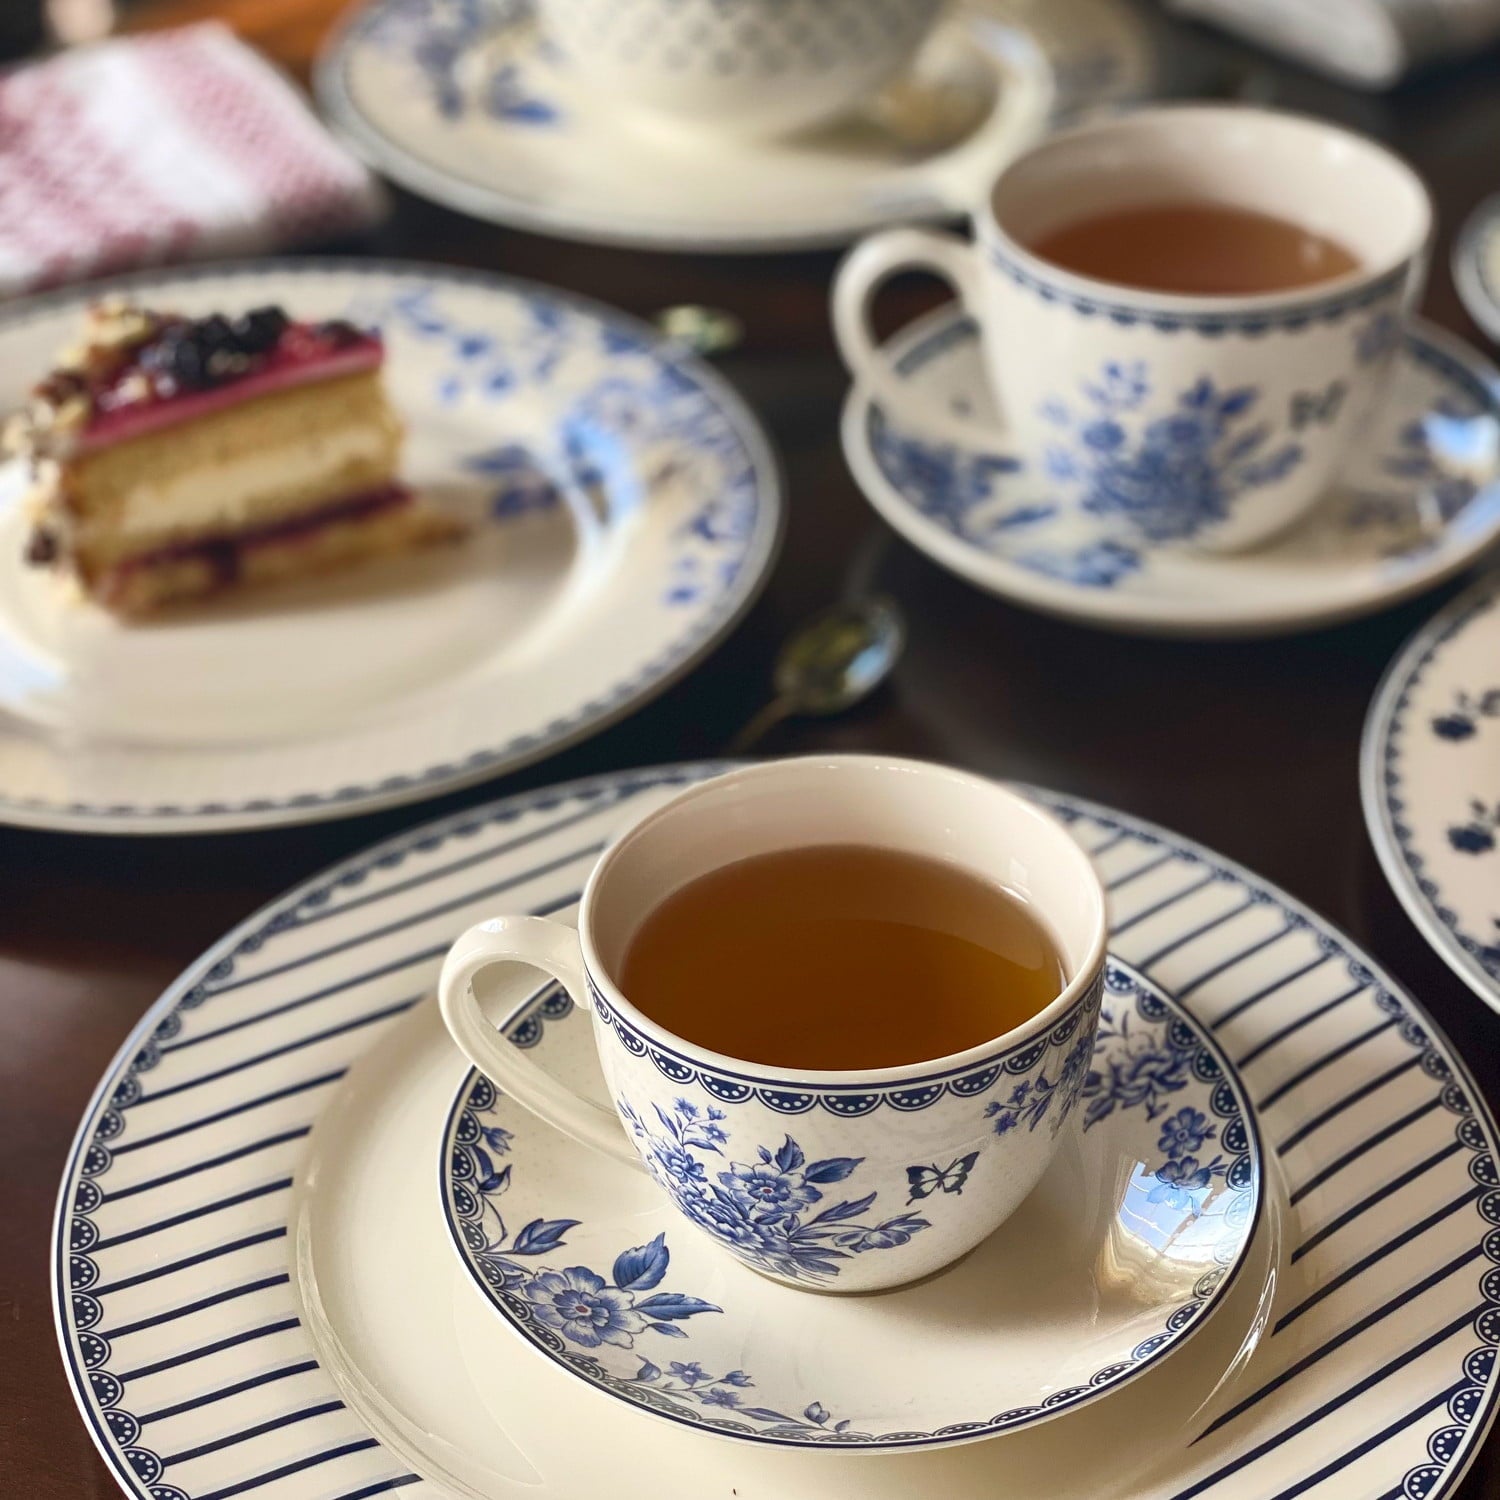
(281, 459)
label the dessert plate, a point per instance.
(1430, 780)
(1129, 1242)
(626, 510)
(1476, 266)
(1421, 501)
(465, 105)
(194, 1343)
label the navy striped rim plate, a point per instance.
(177, 1317)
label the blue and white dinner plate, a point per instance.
(461, 101)
(256, 1294)
(1430, 779)
(626, 510)
(1130, 1242)
(1420, 501)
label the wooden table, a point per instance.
(1250, 748)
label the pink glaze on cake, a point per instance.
(300, 358)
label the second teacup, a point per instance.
(834, 1179)
(1212, 419)
(744, 68)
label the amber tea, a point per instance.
(1196, 249)
(841, 957)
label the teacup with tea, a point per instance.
(809, 981)
(1187, 313)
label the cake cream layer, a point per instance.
(238, 469)
(382, 523)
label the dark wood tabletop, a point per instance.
(1250, 748)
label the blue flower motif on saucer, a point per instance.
(1185, 1131)
(433, 38)
(1476, 834)
(1462, 721)
(1182, 1184)
(1103, 528)
(772, 1207)
(628, 421)
(606, 1280)
(1178, 474)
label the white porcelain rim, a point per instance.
(1416, 654)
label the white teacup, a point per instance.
(739, 67)
(811, 1177)
(1211, 420)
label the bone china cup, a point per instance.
(806, 1176)
(1213, 421)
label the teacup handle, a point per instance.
(861, 275)
(552, 947)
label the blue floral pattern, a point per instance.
(1433, 462)
(606, 1316)
(1178, 474)
(1461, 722)
(1121, 491)
(1476, 835)
(1142, 1070)
(770, 1209)
(435, 37)
(1144, 1065)
(1031, 1101)
(642, 403)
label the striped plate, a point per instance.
(178, 1317)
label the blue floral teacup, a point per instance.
(840, 1181)
(1211, 420)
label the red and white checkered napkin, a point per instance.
(170, 146)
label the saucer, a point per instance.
(1129, 1242)
(1430, 781)
(448, 1388)
(1476, 266)
(1421, 502)
(625, 510)
(252, 1281)
(464, 104)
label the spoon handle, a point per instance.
(764, 720)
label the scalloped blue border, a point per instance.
(853, 1098)
(1426, 643)
(1250, 323)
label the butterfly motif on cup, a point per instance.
(923, 1182)
(1319, 407)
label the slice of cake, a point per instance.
(175, 457)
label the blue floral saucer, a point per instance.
(1122, 1251)
(1430, 779)
(1420, 502)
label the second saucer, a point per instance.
(1154, 1200)
(1422, 502)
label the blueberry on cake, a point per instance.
(175, 457)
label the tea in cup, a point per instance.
(1186, 313)
(809, 981)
